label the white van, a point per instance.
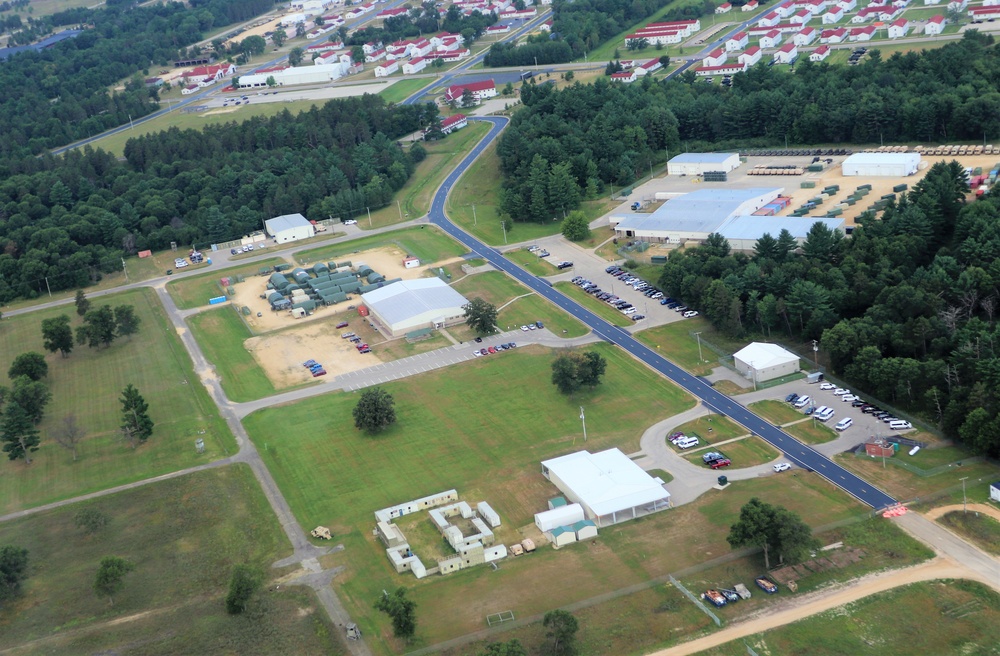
(899, 424)
(844, 424)
(826, 415)
(687, 442)
(803, 401)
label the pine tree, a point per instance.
(136, 424)
(18, 433)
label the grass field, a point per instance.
(403, 89)
(931, 458)
(220, 334)
(711, 429)
(600, 308)
(812, 432)
(606, 51)
(981, 530)
(425, 242)
(195, 291)
(41, 8)
(184, 536)
(416, 195)
(88, 384)
(479, 187)
(945, 618)
(905, 485)
(747, 452)
(677, 343)
(539, 266)
(776, 412)
(499, 289)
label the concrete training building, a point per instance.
(410, 305)
(882, 164)
(701, 163)
(608, 486)
(759, 361)
(289, 227)
(694, 216)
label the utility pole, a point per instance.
(816, 354)
(131, 126)
(584, 420)
(125, 270)
(475, 221)
(503, 226)
(369, 217)
(965, 501)
(398, 207)
(47, 286)
(698, 336)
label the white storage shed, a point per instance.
(759, 361)
(561, 516)
(995, 491)
(562, 535)
(700, 163)
(585, 529)
(289, 227)
(882, 164)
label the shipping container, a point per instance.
(808, 184)
(900, 187)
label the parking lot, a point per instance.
(863, 424)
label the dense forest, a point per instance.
(611, 134)
(71, 218)
(424, 21)
(905, 309)
(579, 26)
(60, 95)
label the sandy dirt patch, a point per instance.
(983, 508)
(823, 600)
(260, 30)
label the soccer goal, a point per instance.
(500, 618)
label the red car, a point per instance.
(362, 346)
(725, 462)
(319, 372)
(492, 349)
(342, 324)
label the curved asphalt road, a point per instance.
(801, 454)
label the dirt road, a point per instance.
(992, 511)
(823, 600)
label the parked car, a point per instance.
(725, 462)
(844, 424)
(524, 328)
(802, 401)
(690, 314)
(539, 325)
(638, 317)
(840, 391)
(782, 466)
(351, 222)
(492, 349)
(791, 398)
(827, 386)
(712, 455)
(899, 424)
(342, 324)
(318, 372)
(849, 398)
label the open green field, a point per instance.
(945, 618)
(476, 428)
(606, 51)
(539, 266)
(184, 535)
(194, 291)
(711, 429)
(403, 89)
(776, 412)
(41, 8)
(906, 485)
(425, 242)
(87, 384)
(599, 308)
(981, 530)
(931, 458)
(220, 333)
(812, 432)
(499, 289)
(677, 343)
(748, 452)
(416, 195)
(479, 187)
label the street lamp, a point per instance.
(698, 335)
(475, 221)
(369, 217)
(965, 501)
(583, 419)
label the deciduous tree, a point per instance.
(561, 631)
(31, 395)
(111, 575)
(90, 520)
(126, 321)
(30, 364)
(243, 583)
(572, 371)
(295, 55)
(13, 570)
(82, 302)
(18, 433)
(69, 434)
(481, 316)
(57, 335)
(575, 226)
(402, 612)
(98, 328)
(375, 410)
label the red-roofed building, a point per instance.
(898, 28)
(390, 13)
(657, 36)
(935, 25)
(984, 13)
(454, 122)
(497, 30)
(737, 42)
(387, 69)
(189, 89)
(318, 48)
(819, 54)
(801, 17)
(449, 55)
(415, 65)
(750, 57)
(649, 67)
(732, 68)
(786, 54)
(625, 77)
(769, 19)
(546, 26)
(805, 37)
(480, 90)
(724, 8)
(833, 36)
(771, 39)
(375, 56)
(835, 15)
(752, 5)
(862, 33)
(715, 58)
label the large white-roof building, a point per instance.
(701, 163)
(289, 227)
(610, 487)
(696, 215)
(759, 361)
(410, 305)
(882, 164)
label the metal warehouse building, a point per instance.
(608, 485)
(759, 361)
(289, 227)
(701, 163)
(882, 164)
(410, 305)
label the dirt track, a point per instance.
(826, 599)
(992, 511)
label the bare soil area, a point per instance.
(983, 508)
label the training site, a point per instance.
(469, 330)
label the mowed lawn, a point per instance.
(599, 308)
(221, 333)
(425, 242)
(812, 432)
(184, 536)
(403, 89)
(87, 384)
(195, 291)
(676, 342)
(776, 412)
(711, 429)
(944, 618)
(499, 289)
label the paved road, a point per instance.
(801, 454)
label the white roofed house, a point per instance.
(607, 485)
(759, 361)
(699, 163)
(410, 305)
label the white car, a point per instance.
(524, 328)
(690, 313)
(840, 391)
(180, 264)
(827, 386)
(628, 311)
(532, 326)
(782, 466)
(849, 397)
(802, 402)
(350, 222)
(477, 354)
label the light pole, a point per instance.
(536, 64)
(503, 226)
(965, 501)
(398, 207)
(369, 217)
(816, 354)
(475, 221)
(583, 419)
(698, 335)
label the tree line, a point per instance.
(905, 309)
(60, 94)
(424, 20)
(70, 219)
